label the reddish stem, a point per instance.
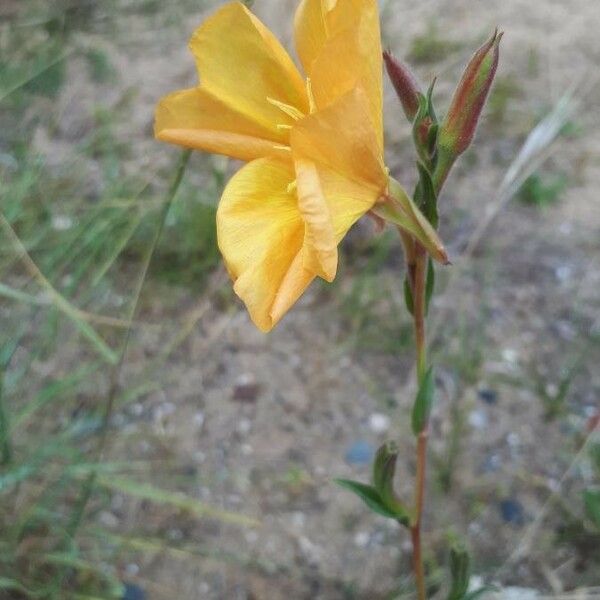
(417, 275)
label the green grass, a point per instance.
(505, 90)
(66, 253)
(543, 190)
(367, 301)
(81, 258)
(431, 46)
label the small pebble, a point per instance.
(360, 453)
(510, 355)
(311, 551)
(246, 388)
(108, 519)
(132, 569)
(204, 588)
(379, 423)
(199, 419)
(492, 463)
(244, 426)
(519, 593)
(563, 273)
(246, 449)
(513, 440)
(488, 396)
(476, 582)
(512, 511)
(298, 519)
(61, 222)
(251, 537)
(133, 592)
(478, 419)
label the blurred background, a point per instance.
(154, 444)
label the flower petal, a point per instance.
(339, 44)
(341, 138)
(321, 246)
(336, 203)
(243, 65)
(261, 235)
(310, 31)
(195, 119)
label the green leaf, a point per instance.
(428, 200)
(384, 470)
(146, 491)
(430, 285)
(423, 403)
(15, 586)
(408, 297)
(369, 495)
(460, 568)
(591, 499)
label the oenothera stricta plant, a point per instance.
(313, 145)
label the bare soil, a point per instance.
(264, 423)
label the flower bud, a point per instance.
(458, 128)
(404, 83)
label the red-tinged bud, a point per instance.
(404, 83)
(458, 128)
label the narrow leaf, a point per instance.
(428, 195)
(591, 499)
(149, 492)
(460, 569)
(423, 403)
(369, 495)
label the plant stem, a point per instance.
(418, 275)
(419, 502)
(418, 285)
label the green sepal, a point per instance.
(429, 285)
(423, 403)
(408, 297)
(591, 499)
(428, 198)
(369, 495)
(432, 139)
(423, 109)
(430, 108)
(401, 210)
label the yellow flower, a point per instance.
(314, 144)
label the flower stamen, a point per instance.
(290, 111)
(311, 99)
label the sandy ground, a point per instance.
(265, 422)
